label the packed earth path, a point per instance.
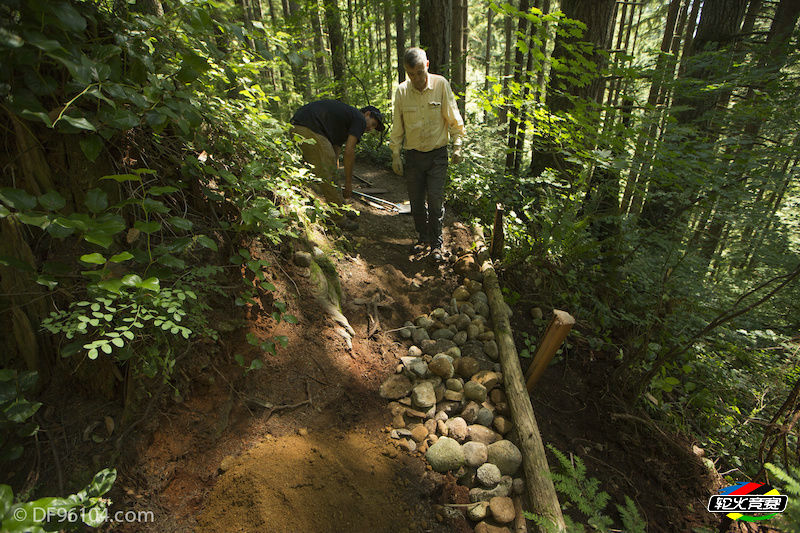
(302, 444)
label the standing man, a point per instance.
(331, 124)
(425, 118)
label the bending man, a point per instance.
(425, 119)
(331, 124)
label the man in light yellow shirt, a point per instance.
(425, 119)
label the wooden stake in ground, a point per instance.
(554, 335)
(498, 236)
(539, 485)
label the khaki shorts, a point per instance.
(322, 157)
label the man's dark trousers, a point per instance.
(425, 174)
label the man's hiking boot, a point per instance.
(419, 247)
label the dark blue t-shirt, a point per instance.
(333, 119)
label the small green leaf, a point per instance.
(93, 259)
(166, 189)
(132, 280)
(207, 242)
(52, 201)
(119, 258)
(151, 284)
(47, 281)
(147, 227)
(111, 285)
(180, 223)
(78, 122)
(96, 200)
(91, 146)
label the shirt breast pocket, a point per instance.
(433, 110)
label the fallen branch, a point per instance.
(272, 410)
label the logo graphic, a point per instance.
(740, 501)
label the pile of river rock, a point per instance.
(449, 404)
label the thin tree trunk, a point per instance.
(401, 39)
(508, 30)
(412, 38)
(487, 59)
(334, 23)
(458, 52)
(319, 40)
(387, 35)
(520, 144)
(513, 123)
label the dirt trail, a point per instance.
(219, 462)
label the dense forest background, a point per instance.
(645, 154)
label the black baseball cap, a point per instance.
(377, 115)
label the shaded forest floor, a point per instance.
(219, 460)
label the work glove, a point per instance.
(456, 157)
(397, 165)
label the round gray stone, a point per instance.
(423, 395)
(489, 475)
(484, 417)
(475, 453)
(474, 390)
(457, 428)
(446, 454)
(442, 366)
(506, 456)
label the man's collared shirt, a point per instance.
(425, 120)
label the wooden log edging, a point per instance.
(539, 485)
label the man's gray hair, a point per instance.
(414, 57)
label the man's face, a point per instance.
(372, 123)
(418, 75)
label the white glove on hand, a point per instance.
(397, 165)
(455, 158)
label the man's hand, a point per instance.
(397, 165)
(456, 157)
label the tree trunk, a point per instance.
(513, 123)
(487, 59)
(539, 484)
(508, 32)
(523, 115)
(435, 20)
(334, 23)
(319, 42)
(387, 37)
(401, 39)
(412, 24)
(458, 52)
